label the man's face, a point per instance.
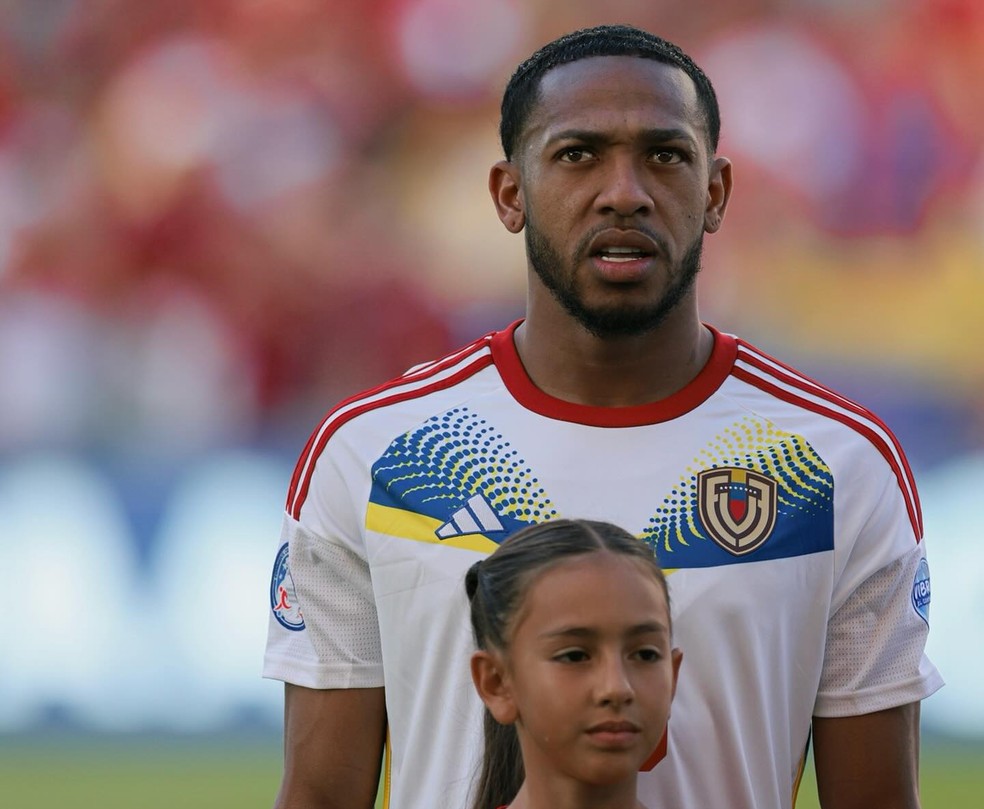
(617, 187)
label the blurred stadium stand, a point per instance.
(218, 219)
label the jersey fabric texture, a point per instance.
(784, 514)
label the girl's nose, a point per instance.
(614, 686)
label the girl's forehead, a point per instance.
(598, 562)
(598, 583)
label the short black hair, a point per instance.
(521, 92)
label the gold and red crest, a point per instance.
(737, 507)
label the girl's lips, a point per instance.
(614, 735)
(614, 726)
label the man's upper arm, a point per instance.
(333, 743)
(870, 761)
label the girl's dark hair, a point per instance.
(496, 588)
(522, 91)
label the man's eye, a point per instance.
(649, 655)
(667, 156)
(575, 155)
(572, 656)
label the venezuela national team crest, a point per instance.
(737, 507)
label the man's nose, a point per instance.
(625, 189)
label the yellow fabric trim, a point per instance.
(407, 525)
(387, 764)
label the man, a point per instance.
(785, 514)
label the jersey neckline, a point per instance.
(521, 387)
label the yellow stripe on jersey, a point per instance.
(387, 771)
(397, 522)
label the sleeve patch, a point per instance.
(920, 590)
(283, 596)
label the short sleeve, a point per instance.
(874, 656)
(330, 636)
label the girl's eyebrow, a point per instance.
(653, 627)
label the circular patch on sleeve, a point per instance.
(920, 590)
(283, 597)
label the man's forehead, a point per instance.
(610, 85)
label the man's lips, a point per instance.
(615, 244)
(622, 256)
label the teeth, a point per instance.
(621, 253)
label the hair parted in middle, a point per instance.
(497, 586)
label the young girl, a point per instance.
(575, 665)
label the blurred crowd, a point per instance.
(218, 218)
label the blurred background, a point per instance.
(220, 217)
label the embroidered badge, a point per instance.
(920, 590)
(283, 598)
(737, 507)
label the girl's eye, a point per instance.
(571, 656)
(649, 655)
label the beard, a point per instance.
(609, 321)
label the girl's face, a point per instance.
(590, 670)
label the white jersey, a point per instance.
(785, 515)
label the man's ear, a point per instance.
(492, 684)
(507, 195)
(718, 194)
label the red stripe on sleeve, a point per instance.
(902, 472)
(404, 388)
(753, 355)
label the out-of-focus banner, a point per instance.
(97, 635)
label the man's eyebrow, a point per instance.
(596, 136)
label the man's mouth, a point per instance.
(622, 254)
(618, 246)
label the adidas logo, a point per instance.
(475, 517)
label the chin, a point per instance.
(619, 322)
(608, 773)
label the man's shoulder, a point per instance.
(785, 387)
(422, 387)
(354, 433)
(423, 392)
(847, 435)
(841, 429)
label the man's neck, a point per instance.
(576, 366)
